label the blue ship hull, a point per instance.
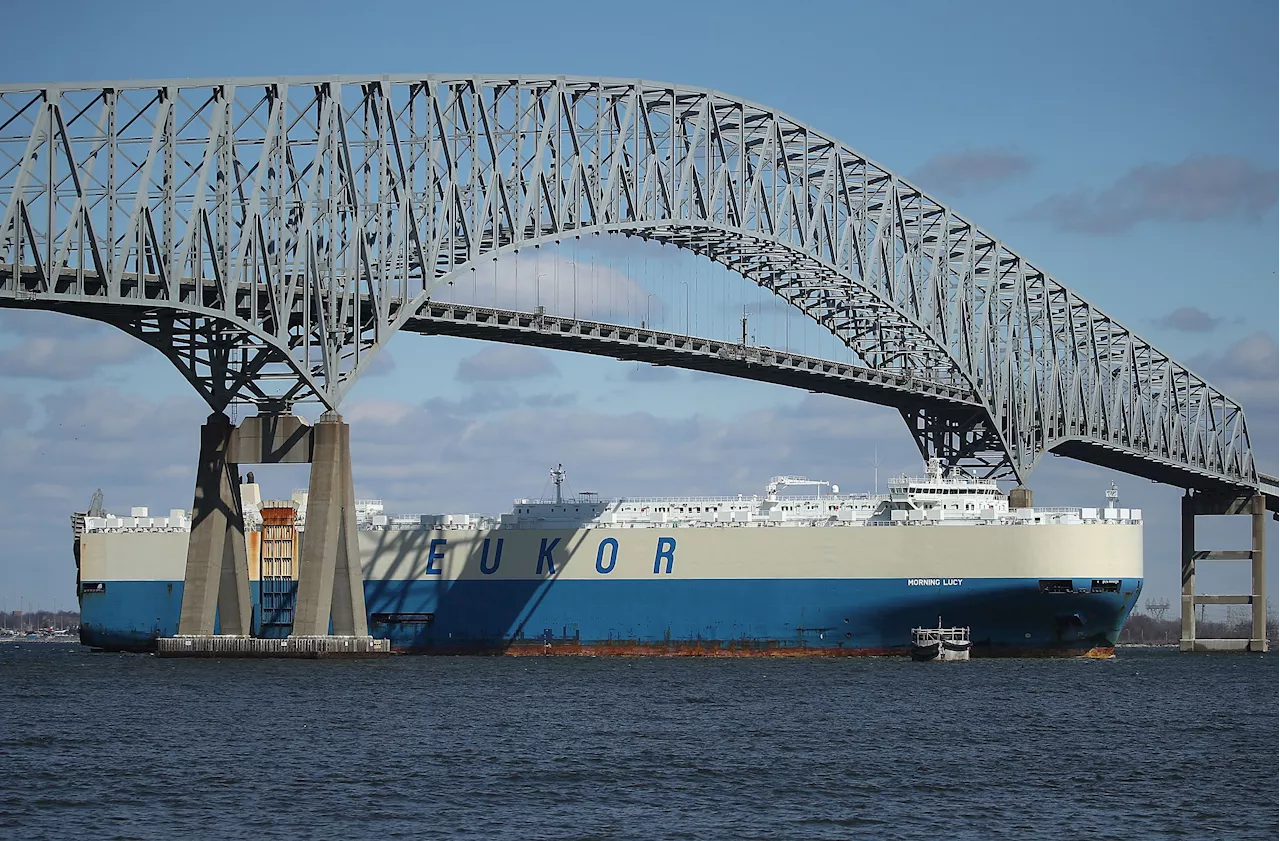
(1013, 617)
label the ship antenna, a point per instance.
(557, 476)
(875, 465)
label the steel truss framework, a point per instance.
(269, 234)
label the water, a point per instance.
(1149, 745)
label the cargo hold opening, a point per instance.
(1108, 585)
(1056, 585)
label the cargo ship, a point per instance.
(800, 569)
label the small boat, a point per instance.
(940, 643)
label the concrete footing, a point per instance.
(306, 648)
(1221, 645)
(1215, 504)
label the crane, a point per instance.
(771, 490)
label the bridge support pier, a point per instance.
(330, 583)
(216, 582)
(1258, 514)
(1194, 504)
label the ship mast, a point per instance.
(557, 476)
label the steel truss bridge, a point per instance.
(269, 235)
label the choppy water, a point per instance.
(1149, 745)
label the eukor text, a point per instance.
(606, 558)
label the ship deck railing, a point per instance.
(703, 500)
(928, 636)
(1099, 518)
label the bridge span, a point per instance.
(268, 235)
(680, 350)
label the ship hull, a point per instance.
(1035, 590)
(708, 618)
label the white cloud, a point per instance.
(478, 460)
(56, 451)
(68, 357)
(1248, 371)
(583, 287)
(375, 412)
(1189, 320)
(971, 169)
(502, 363)
(1196, 189)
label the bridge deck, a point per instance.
(642, 344)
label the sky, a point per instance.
(1127, 149)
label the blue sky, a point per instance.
(1128, 149)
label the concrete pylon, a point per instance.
(216, 583)
(1258, 593)
(330, 583)
(1211, 504)
(1187, 641)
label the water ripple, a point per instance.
(1150, 745)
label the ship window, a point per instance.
(1055, 586)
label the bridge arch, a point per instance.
(293, 224)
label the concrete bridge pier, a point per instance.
(1208, 504)
(330, 583)
(1258, 513)
(216, 582)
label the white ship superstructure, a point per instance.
(940, 497)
